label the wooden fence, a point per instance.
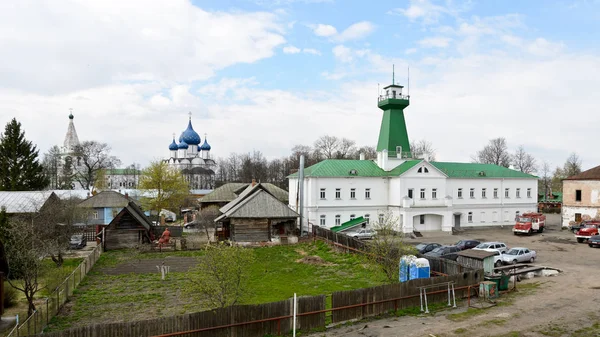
(176, 231)
(54, 302)
(339, 238)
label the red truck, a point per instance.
(528, 223)
(587, 230)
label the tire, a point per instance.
(498, 263)
(591, 245)
(532, 260)
(514, 261)
(541, 230)
(580, 240)
(529, 232)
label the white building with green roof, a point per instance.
(422, 195)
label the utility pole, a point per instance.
(301, 191)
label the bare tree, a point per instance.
(496, 152)
(345, 149)
(545, 179)
(524, 161)
(93, 156)
(327, 146)
(387, 246)
(572, 166)
(424, 149)
(369, 151)
(206, 220)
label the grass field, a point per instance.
(275, 275)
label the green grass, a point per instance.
(275, 275)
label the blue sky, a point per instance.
(267, 75)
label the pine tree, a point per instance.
(20, 169)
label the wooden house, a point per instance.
(477, 259)
(222, 195)
(256, 215)
(129, 228)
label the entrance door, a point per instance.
(457, 221)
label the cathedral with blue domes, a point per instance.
(192, 157)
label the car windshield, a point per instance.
(512, 252)
(524, 219)
(421, 245)
(484, 245)
(438, 250)
(589, 226)
(461, 242)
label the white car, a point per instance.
(499, 246)
(497, 256)
(518, 254)
(363, 234)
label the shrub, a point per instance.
(11, 295)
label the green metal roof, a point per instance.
(368, 168)
(556, 197)
(348, 224)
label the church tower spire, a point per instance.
(393, 136)
(71, 139)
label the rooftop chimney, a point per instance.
(362, 156)
(253, 182)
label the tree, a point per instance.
(326, 146)
(221, 275)
(51, 164)
(206, 219)
(572, 166)
(369, 151)
(93, 157)
(56, 224)
(387, 247)
(496, 152)
(20, 169)
(166, 185)
(23, 251)
(545, 185)
(423, 149)
(523, 161)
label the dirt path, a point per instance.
(557, 306)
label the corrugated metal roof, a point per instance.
(227, 192)
(349, 224)
(23, 201)
(368, 168)
(591, 174)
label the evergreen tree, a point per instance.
(20, 169)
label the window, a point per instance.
(95, 214)
(353, 193)
(577, 195)
(518, 193)
(422, 193)
(472, 193)
(422, 170)
(517, 215)
(495, 193)
(422, 219)
(338, 220)
(577, 217)
(367, 193)
(352, 216)
(482, 219)
(410, 193)
(380, 218)
(338, 193)
(368, 217)
(322, 221)
(470, 217)
(460, 193)
(529, 193)
(434, 193)
(483, 192)
(507, 192)
(322, 193)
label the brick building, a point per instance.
(581, 196)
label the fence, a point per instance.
(176, 231)
(340, 238)
(36, 322)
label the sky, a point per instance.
(266, 75)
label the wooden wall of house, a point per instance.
(250, 230)
(124, 232)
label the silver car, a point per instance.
(518, 254)
(499, 246)
(363, 234)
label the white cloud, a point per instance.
(311, 51)
(543, 47)
(324, 30)
(291, 50)
(435, 42)
(342, 53)
(355, 31)
(99, 42)
(421, 10)
(410, 51)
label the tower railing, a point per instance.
(405, 155)
(392, 96)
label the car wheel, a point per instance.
(541, 230)
(514, 261)
(498, 263)
(529, 232)
(591, 245)
(580, 240)
(532, 260)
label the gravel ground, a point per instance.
(559, 306)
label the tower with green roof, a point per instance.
(393, 136)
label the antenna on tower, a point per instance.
(378, 91)
(393, 75)
(408, 82)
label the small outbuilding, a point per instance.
(256, 215)
(129, 228)
(477, 259)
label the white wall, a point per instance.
(568, 213)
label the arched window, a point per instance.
(470, 217)
(352, 216)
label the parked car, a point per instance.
(586, 232)
(78, 241)
(363, 234)
(467, 244)
(499, 246)
(497, 257)
(518, 254)
(444, 252)
(594, 241)
(426, 247)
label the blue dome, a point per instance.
(173, 146)
(205, 146)
(190, 136)
(182, 145)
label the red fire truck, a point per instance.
(528, 223)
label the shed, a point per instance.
(477, 259)
(129, 228)
(256, 215)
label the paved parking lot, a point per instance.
(569, 300)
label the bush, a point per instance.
(11, 295)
